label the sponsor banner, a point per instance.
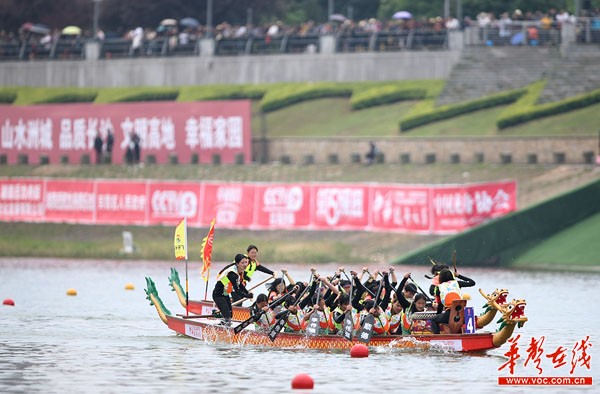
(360, 207)
(22, 200)
(164, 128)
(231, 204)
(70, 200)
(401, 208)
(339, 206)
(121, 202)
(284, 206)
(171, 201)
(461, 207)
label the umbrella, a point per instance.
(35, 28)
(168, 22)
(337, 17)
(71, 31)
(189, 22)
(518, 39)
(402, 15)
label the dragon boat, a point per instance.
(209, 330)
(201, 307)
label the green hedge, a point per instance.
(385, 95)
(8, 95)
(500, 241)
(291, 94)
(429, 115)
(29, 96)
(526, 102)
(222, 92)
(548, 109)
(120, 95)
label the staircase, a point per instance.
(487, 70)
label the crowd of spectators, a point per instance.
(141, 40)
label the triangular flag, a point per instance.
(207, 245)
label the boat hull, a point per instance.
(206, 330)
(206, 307)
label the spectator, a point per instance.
(98, 148)
(110, 141)
(371, 153)
(135, 141)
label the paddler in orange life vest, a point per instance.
(253, 266)
(447, 291)
(230, 281)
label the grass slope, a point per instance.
(574, 246)
(334, 117)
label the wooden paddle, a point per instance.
(257, 316)
(366, 331)
(276, 329)
(241, 301)
(454, 261)
(348, 325)
(314, 322)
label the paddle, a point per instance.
(257, 316)
(366, 331)
(282, 316)
(348, 325)
(314, 322)
(421, 290)
(238, 302)
(454, 261)
(261, 283)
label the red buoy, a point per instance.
(303, 381)
(359, 350)
(9, 302)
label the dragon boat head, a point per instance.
(514, 313)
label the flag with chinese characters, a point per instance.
(207, 244)
(180, 241)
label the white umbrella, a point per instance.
(402, 15)
(337, 17)
(168, 22)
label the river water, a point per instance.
(107, 339)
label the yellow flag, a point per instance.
(180, 241)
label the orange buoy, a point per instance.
(71, 292)
(8, 302)
(129, 286)
(359, 350)
(303, 381)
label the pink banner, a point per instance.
(164, 128)
(361, 207)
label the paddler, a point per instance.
(267, 319)
(229, 281)
(447, 291)
(253, 266)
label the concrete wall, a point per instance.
(547, 150)
(175, 71)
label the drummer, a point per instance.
(230, 281)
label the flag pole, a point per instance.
(187, 291)
(206, 288)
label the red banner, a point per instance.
(401, 208)
(204, 128)
(171, 201)
(339, 206)
(232, 204)
(121, 202)
(360, 207)
(282, 206)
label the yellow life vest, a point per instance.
(449, 291)
(227, 285)
(251, 268)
